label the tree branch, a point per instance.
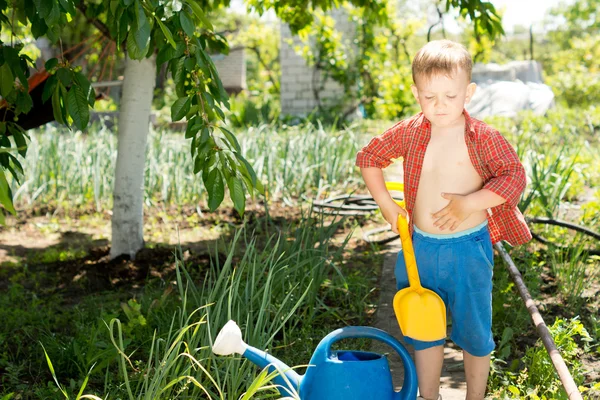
(98, 24)
(264, 64)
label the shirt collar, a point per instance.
(469, 128)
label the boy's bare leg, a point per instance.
(477, 370)
(429, 369)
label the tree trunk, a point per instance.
(134, 120)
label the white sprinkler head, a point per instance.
(229, 340)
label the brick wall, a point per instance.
(232, 69)
(298, 79)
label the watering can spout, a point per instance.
(229, 341)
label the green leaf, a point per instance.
(114, 5)
(38, 27)
(180, 108)
(178, 73)
(7, 80)
(189, 64)
(49, 87)
(44, 7)
(51, 63)
(140, 14)
(23, 103)
(237, 194)
(51, 367)
(197, 10)
(215, 188)
(231, 139)
(56, 107)
(142, 38)
(192, 128)
(220, 112)
(53, 17)
(186, 23)
(198, 164)
(86, 88)
(65, 75)
(132, 48)
(78, 107)
(247, 169)
(5, 196)
(68, 6)
(168, 35)
(205, 135)
(19, 140)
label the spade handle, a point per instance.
(409, 254)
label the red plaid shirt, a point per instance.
(492, 156)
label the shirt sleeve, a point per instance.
(382, 149)
(509, 178)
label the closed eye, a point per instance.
(451, 97)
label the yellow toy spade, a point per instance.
(421, 313)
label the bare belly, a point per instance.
(429, 201)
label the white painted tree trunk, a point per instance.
(128, 194)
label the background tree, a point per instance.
(377, 63)
(572, 65)
(150, 33)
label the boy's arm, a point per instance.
(383, 148)
(375, 182)
(377, 155)
(509, 175)
(504, 189)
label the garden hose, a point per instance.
(563, 224)
(353, 205)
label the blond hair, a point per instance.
(441, 57)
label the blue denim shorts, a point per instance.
(459, 268)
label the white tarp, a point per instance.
(507, 89)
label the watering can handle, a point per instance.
(323, 352)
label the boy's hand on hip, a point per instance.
(451, 216)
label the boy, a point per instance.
(463, 181)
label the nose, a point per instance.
(439, 104)
(440, 101)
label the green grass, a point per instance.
(78, 169)
(139, 347)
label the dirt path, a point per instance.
(453, 386)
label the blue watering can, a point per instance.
(331, 375)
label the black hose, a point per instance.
(364, 205)
(563, 224)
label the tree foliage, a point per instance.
(376, 61)
(573, 69)
(181, 35)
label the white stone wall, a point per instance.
(297, 97)
(232, 69)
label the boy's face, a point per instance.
(442, 98)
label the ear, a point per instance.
(470, 92)
(415, 92)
